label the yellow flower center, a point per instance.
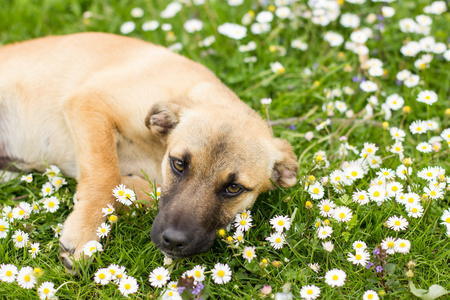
(243, 222)
(249, 253)
(92, 249)
(374, 161)
(159, 277)
(112, 271)
(19, 238)
(46, 291)
(103, 230)
(390, 244)
(119, 276)
(8, 273)
(354, 173)
(27, 278)
(102, 276)
(170, 293)
(121, 193)
(128, 196)
(51, 204)
(127, 286)
(385, 173)
(221, 273)
(278, 240)
(239, 238)
(2, 227)
(419, 128)
(244, 215)
(47, 190)
(402, 245)
(198, 273)
(397, 223)
(358, 256)
(433, 193)
(410, 199)
(113, 218)
(361, 197)
(324, 232)
(414, 210)
(33, 249)
(280, 222)
(427, 97)
(338, 178)
(319, 158)
(342, 215)
(394, 188)
(429, 174)
(376, 194)
(359, 245)
(309, 292)
(58, 182)
(326, 207)
(21, 212)
(316, 190)
(335, 277)
(370, 296)
(447, 220)
(264, 261)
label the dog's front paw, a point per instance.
(66, 256)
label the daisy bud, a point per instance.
(382, 293)
(406, 109)
(266, 290)
(311, 179)
(441, 178)
(230, 239)
(411, 264)
(409, 274)
(309, 136)
(424, 198)
(341, 55)
(308, 205)
(264, 263)
(112, 218)
(276, 263)
(447, 112)
(407, 162)
(371, 18)
(221, 232)
(265, 102)
(287, 199)
(38, 272)
(385, 125)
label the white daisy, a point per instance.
(198, 273)
(238, 236)
(402, 171)
(324, 232)
(310, 292)
(418, 127)
(34, 249)
(109, 209)
(397, 223)
(128, 285)
(328, 246)
(342, 214)
(402, 246)
(91, 247)
(46, 290)
(424, 147)
(335, 277)
(4, 228)
(371, 295)
(360, 258)
(277, 240)
(326, 207)
(8, 273)
(316, 191)
(27, 178)
(359, 245)
(193, 25)
(279, 223)
(445, 218)
(51, 204)
(20, 238)
(25, 278)
(414, 210)
(47, 189)
(102, 276)
(159, 277)
(368, 86)
(388, 244)
(243, 221)
(427, 97)
(103, 230)
(249, 253)
(52, 171)
(221, 273)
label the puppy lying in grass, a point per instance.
(102, 107)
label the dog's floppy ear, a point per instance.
(285, 169)
(163, 117)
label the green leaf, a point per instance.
(345, 199)
(390, 268)
(434, 292)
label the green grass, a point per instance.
(295, 95)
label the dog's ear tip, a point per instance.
(162, 119)
(286, 168)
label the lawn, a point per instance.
(359, 88)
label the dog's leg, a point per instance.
(92, 126)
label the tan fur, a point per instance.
(102, 107)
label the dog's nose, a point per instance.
(174, 240)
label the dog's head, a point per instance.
(218, 160)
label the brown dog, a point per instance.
(102, 107)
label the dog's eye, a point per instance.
(234, 189)
(178, 165)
